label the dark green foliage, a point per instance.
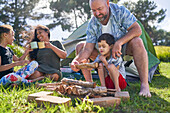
(15, 13)
(62, 9)
(145, 12)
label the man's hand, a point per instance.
(73, 67)
(116, 50)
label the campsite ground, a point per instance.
(15, 99)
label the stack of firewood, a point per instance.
(76, 87)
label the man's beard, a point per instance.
(101, 19)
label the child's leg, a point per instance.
(26, 71)
(101, 74)
(13, 78)
(114, 75)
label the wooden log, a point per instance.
(99, 90)
(53, 100)
(47, 84)
(84, 91)
(62, 89)
(124, 95)
(51, 88)
(69, 90)
(39, 94)
(79, 90)
(105, 101)
(87, 65)
(111, 90)
(75, 88)
(78, 82)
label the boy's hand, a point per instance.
(102, 58)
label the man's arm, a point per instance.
(133, 31)
(84, 54)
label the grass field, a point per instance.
(14, 99)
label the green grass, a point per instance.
(163, 53)
(15, 99)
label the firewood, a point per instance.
(78, 90)
(77, 82)
(124, 95)
(84, 91)
(75, 88)
(62, 88)
(47, 84)
(69, 90)
(100, 90)
(105, 101)
(87, 65)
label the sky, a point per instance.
(58, 34)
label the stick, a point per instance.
(77, 82)
(87, 65)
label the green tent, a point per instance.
(80, 35)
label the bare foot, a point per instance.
(144, 90)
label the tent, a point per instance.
(80, 35)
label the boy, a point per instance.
(7, 76)
(115, 79)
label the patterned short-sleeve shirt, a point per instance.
(121, 19)
(116, 62)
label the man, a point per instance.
(118, 21)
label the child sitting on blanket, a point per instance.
(111, 71)
(7, 74)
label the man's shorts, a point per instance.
(110, 85)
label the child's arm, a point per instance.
(103, 59)
(101, 75)
(9, 66)
(15, 58)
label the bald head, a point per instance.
(90, 1)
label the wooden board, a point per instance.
(39, 94)
(124, 95)
(53, 100)
(105, 101)
(47, 84)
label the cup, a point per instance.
(41, 45)
(34, 45)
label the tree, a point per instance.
(144, 10)
(68, 13)
(15, 13)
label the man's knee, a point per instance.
(79, 47)
(135, 44)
